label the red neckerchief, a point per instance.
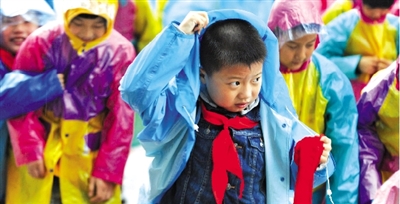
(307, 155)
(369, 20)
(224, 155)
(7, 58)
(285, 70)
(304, 66)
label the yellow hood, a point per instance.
(104, 8)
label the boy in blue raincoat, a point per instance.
(186, 85)
(20, 92)
(321, 93)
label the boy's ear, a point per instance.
(202, 75)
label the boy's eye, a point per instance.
(309, 45)
(236, 83)
(257, 79)
(98, 26)
(77, 24)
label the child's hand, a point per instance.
(383, 64)
(194, 22)
(100, 190)
(61, 79)
(36, 169)
(368, 65)
(327, 149)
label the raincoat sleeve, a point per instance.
(21, 92)
(338, 7)
(371, 148)
(26, 131)
(333, 44)
(117, 131)
(341, 127)
(162, 85)
(152, 76)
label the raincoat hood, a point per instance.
(37, 10)
(103, 8)
(291, 19)
(273, 87)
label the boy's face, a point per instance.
(294, 53)
(234, 88)
(374, 13)
(88, 29)
(16, 30)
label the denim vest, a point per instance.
(194, 184)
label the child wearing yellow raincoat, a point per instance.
(320, 92)
(362, 41)
(81, 139)
(341, 6)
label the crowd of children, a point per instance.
(279, 101)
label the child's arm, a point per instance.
(341, 127)
(117, 126)
(334, 43)
(21, 93)
(27, 133)
(162, 85)
(159, 73)
(371, 148)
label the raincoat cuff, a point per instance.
(106, 176)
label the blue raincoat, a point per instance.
(163, 85)
(21, 93)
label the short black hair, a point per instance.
(91, 16)
(378, 3)
(230, 42)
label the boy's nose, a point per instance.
(86, 35)
(246, 93)
(301, 54)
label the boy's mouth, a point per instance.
(241, 105)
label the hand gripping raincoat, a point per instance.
(21, 92)
(351, 36)
(378, 131)
(163, 85)
(322, 97)
(86, 132)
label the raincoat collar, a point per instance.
(369, 20)
(7, 58)
(304, 66)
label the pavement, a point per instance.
(134, 175)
